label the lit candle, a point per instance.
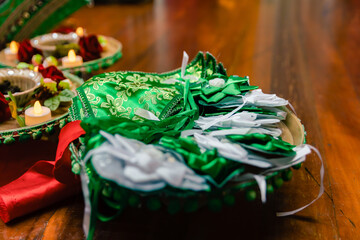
(80, 32)
(37, 114)
(72, 60)
(36, 68)
(11, 51)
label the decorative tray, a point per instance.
(10, 131)
(109, 55)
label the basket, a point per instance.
(106, 103)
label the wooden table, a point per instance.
(305, 51)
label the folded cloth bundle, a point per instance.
(190, 133)
(169, 139)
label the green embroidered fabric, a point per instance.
(120, 94)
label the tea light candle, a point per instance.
(72, 60)
(37, 114)
(11, 51)
(80, 32)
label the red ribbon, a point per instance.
(44, 183)
(62, 171)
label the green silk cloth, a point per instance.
(264, 143)
(147, 131)
(233, 86)
(206, 163)
(165, 133)
(120, 94)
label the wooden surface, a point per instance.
(305, 51)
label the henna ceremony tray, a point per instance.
(109, 56)
(10, 132)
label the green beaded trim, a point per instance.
(33, 132)
(186, 200)
(118, 197)
(23, 18)
(84, 101)
(61, 13)
(171, 107)
(63, 10)
(74, 112)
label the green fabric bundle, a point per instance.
(144, 137)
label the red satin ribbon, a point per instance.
(62, 170)
(45, 183)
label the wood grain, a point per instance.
(305, 51)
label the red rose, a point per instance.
(26, 51)
(64, 30)
(51, 72)
(5, 113)
(90, 48)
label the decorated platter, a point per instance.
(55, 46)
(29, 83)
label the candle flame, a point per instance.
(14, 47)
(36, 68)
(80, 31)
(72, 55)
(37, 108)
